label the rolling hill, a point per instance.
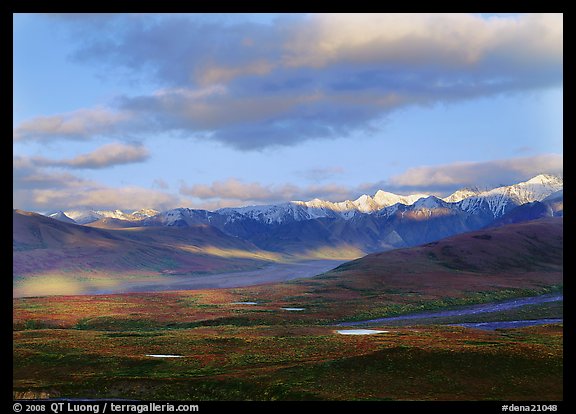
(46, 247)
(520, 257)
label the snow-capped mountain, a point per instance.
(179, 217)
(366, 224)
(144, 213)
(501, 200)
(316, 208)
(61, 216)
(90, 216)
(494, 202)
(363, 204)
(385, 199)
(461, 195)
(538, 188)
(82, 216)
(269, 214)
(497, 201)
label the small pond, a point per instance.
(360, 331)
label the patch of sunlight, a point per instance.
(242, 254)
(339, 253)
(47, 286)
(293, 309)
(232, 253)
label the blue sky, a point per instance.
(137, 111)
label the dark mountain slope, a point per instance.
(42, 244)
(517, 256)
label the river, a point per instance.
(476, 309)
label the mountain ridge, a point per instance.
(306, 228)
(498, 200)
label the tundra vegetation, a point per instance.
(100, 347)
(242, 343)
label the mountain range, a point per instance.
(56, 254)
(365, 225)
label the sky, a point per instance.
(131, 111)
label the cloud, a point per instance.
(234, 192)
(234, 189)
(83, 124)
(252, 85)
(450, 41)
(206, 48)
(37, 189)
(103, 157)
(218, 50)
(102, 197)
(217, 74)
(28, 175)
(439, 180)
(451, 177)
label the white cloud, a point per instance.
(35, 188)
(103, 197)
(428, 40)
(234, 189)
(27, 175)
(488, 173)
(82, 124)
(324, 76)
(103, 157)
(235, 192)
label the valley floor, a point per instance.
(273, 273)
(101, 283)
(230, 348)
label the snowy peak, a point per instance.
(386, 199)
(179, 217)
(365, 204)
(500, 200)
(83, 216)
(317, 208)
(61, 216)
(537, 188)
(495, 202)
(545, 180)
(145, 213)
(116, 214)
(461, 195)
(89, 216)
(272, 213)
(429, 203)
